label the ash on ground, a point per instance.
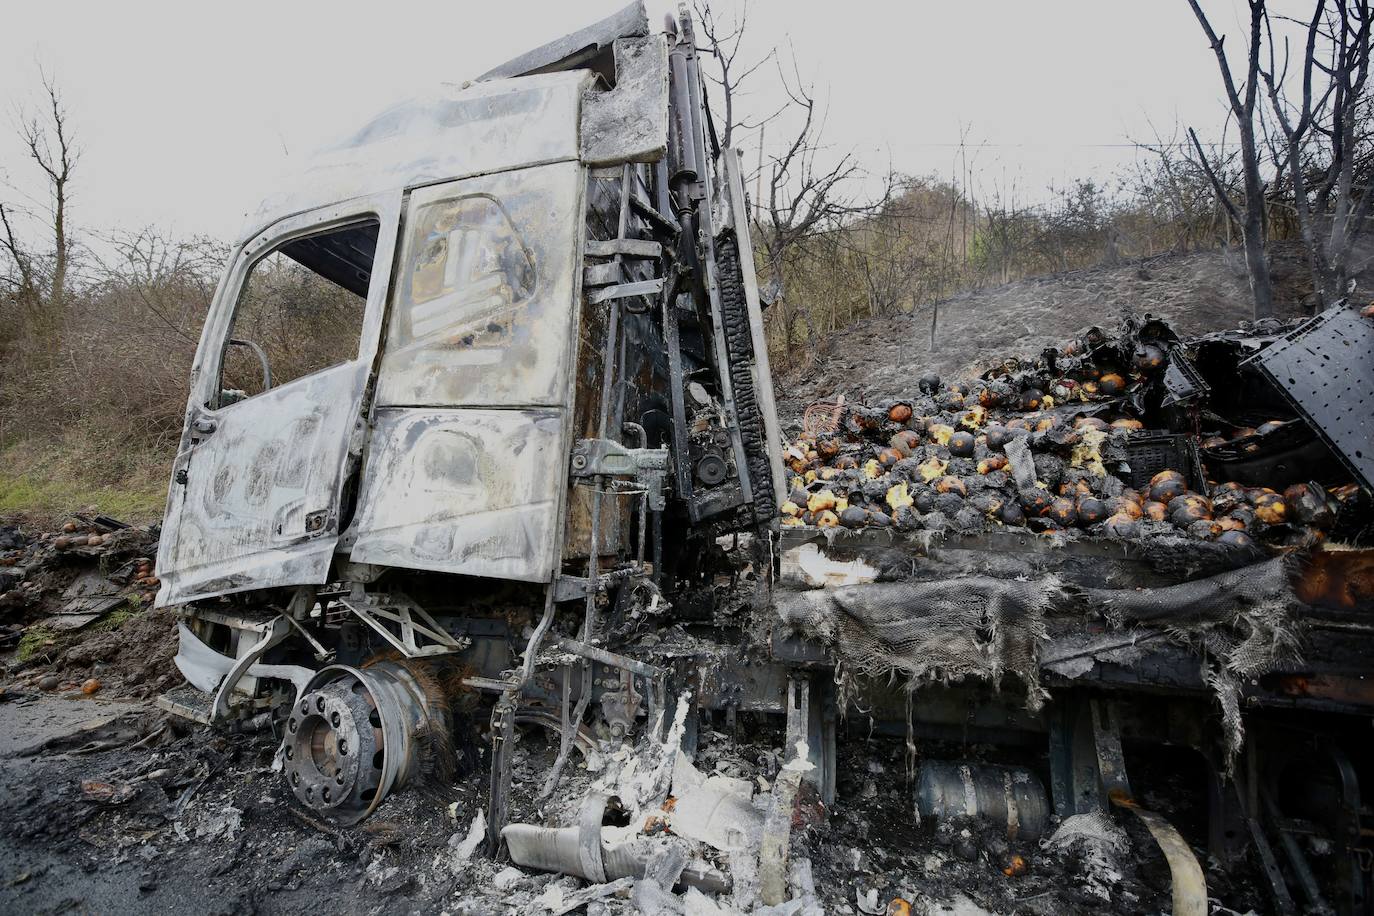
(118, 808)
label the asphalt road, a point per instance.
(34, 878)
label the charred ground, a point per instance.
(128, 811)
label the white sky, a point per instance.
(185, 110)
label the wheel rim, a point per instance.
(349, 739)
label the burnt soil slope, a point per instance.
(883, 357)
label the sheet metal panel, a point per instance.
(579, 48)
(450, 132)
(462, 491)
(630, 122)
(1325, 369)
(239, 521)
(482, 310)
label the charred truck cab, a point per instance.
(537, 393)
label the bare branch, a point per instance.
(1252, 222)
(24, 284)
(1222, 196)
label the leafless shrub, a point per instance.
(118, 367)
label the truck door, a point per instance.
(467, 457)
(274, 420)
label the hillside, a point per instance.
(45, 477)
(883, 356)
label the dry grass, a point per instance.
(44, 480)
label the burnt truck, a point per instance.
(482, 439)
(545, 397)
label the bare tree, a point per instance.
(804, 191)
(139, 310)
(1174, 191)
(38, 282)
(1076, 227)
(1242, 104)
(1330, 216)
(1002, 238)
(724, 41)
(880, 255)
(162, 285)
(802, 196)
(21, 276)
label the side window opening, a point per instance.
(300, 310)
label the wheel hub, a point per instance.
(350, 737)
(332, 748)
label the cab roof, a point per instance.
(455, 131)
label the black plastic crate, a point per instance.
(1325, 368)
(1150, 451)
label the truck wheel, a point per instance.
(355, 734)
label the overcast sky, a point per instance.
(186, 111)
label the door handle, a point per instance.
(204, 425)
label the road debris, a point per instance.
(77, 614)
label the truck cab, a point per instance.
(486, 371)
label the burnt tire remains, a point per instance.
(739, 345)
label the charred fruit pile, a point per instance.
(34, 565)
(1082, 439)
(68, 596)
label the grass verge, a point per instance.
(36, 640)
(44, 481)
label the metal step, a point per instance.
(188, 702)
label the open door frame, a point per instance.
(256, 492)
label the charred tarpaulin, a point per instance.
(989, 608)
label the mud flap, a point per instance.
(203, 667)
